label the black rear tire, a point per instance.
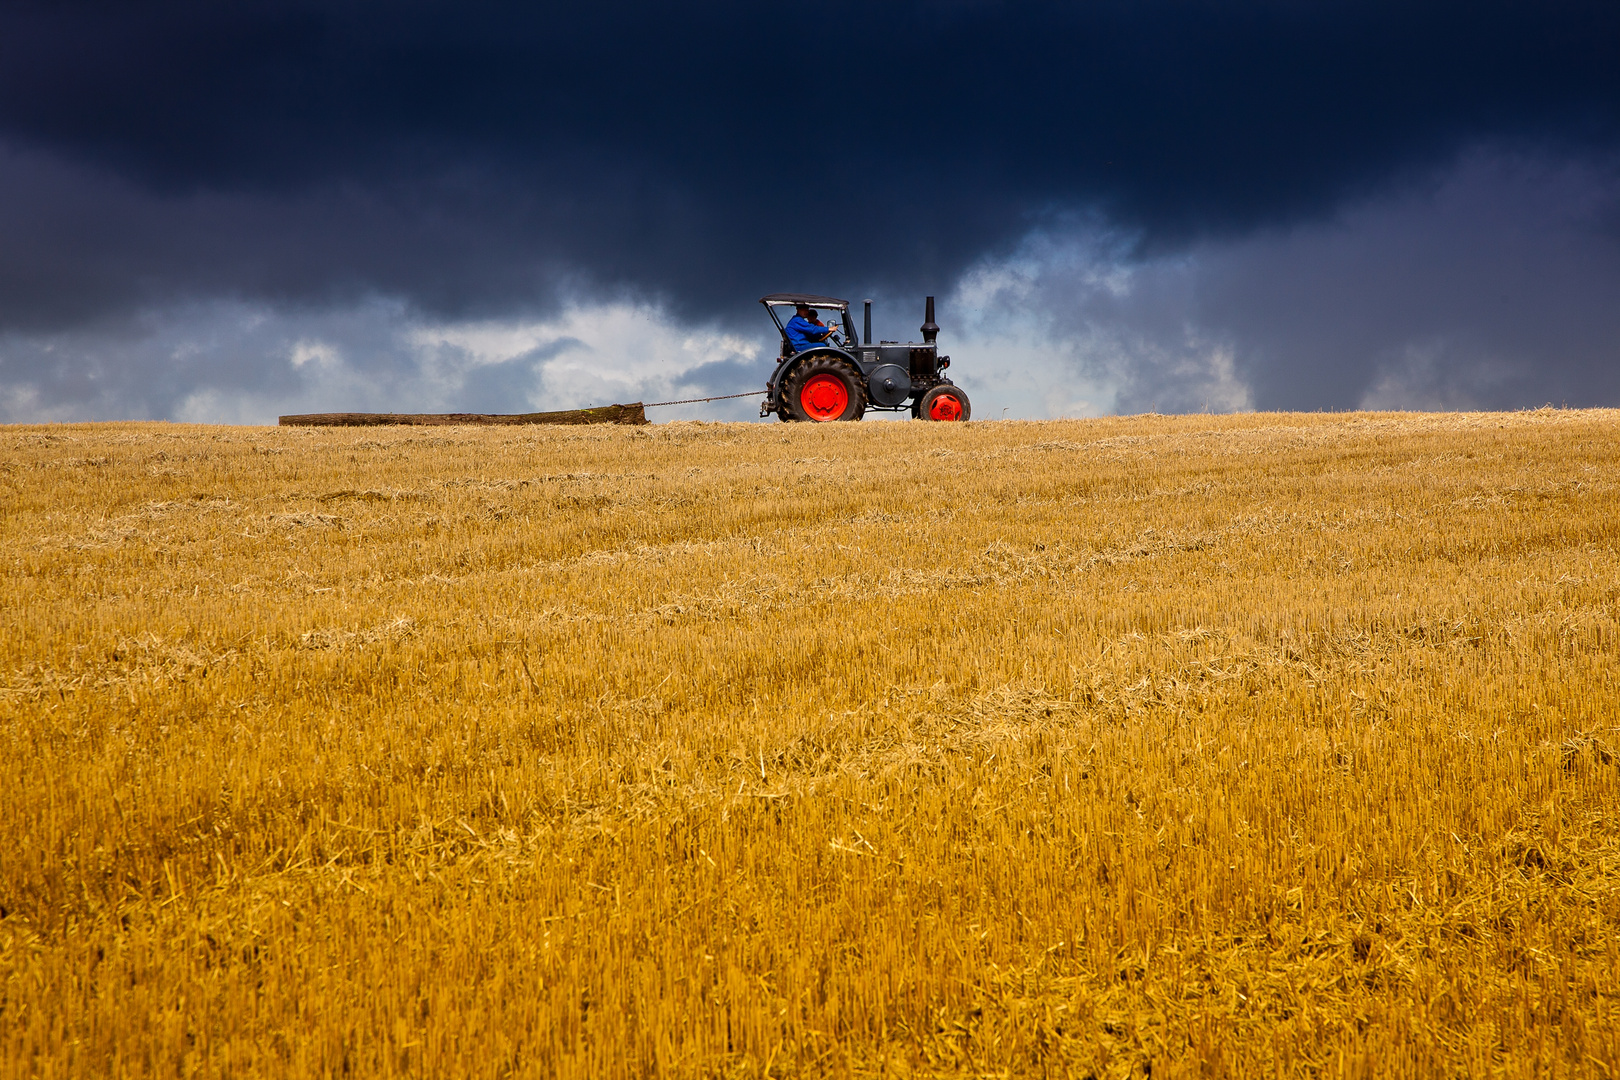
(854, 389)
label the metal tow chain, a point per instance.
(695, 400)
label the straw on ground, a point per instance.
(1242, 745)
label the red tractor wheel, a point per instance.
(824, 389)
(945, 403)
(824, 397)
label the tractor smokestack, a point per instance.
(929, 330)
(867, 334)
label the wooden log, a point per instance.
(634, 413)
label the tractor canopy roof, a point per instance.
(788, 299)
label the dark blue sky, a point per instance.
(506, 162)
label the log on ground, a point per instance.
(634, 413)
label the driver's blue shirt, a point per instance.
(803, 334)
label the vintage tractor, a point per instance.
(843, 376)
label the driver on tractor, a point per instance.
(805, 331)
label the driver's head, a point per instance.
(807, 311)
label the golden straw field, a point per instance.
(1261, 745)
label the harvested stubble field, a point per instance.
(1184, 746)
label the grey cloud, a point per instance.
(83, 245)
(1494, 283)
(247, 362)
(229, 361)
(508, 385)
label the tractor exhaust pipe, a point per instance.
(866, 335)
(929, 330)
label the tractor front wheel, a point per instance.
(824, 389)
(944, 403)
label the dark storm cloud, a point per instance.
(470, 158)
(172, 172)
